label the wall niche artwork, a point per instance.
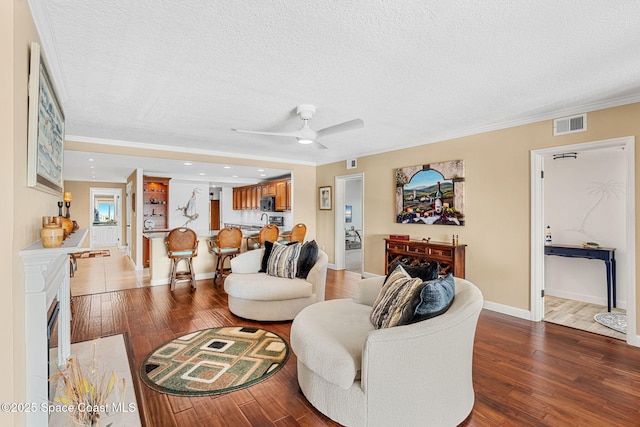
(430, 194)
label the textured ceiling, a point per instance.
(182, 74)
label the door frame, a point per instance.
(117, 194)
(340, 223)
(538, 229)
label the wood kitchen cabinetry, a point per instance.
(248, 197)
(283, 195)
(156, 197)
(417, 252)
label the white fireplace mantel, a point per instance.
(46, 273)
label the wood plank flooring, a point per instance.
(525, 374)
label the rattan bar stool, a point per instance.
(227, 245)
(182, 245)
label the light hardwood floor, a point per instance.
(579, 315)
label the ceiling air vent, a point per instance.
(571, 124)
(352, 163)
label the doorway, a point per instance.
(105, 217)
(573, 188)
(349, 223)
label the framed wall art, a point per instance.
(325, 198)
(430, 194)
(46, 129)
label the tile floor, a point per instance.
(579, 315)
(107, 274)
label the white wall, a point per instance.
(353, 197)
(584, 201)
(179, 194)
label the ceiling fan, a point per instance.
(306, 135)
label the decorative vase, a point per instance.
(51, 235)
(65, 223)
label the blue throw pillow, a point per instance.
(434, 298)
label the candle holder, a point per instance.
(68, 205)
(60, 208)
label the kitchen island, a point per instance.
(160, 265)
(204, 264)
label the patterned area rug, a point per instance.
(214, 361)
(615, 321)
(93, 254)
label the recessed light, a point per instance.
(201, 173)
(91, 167)
(234, 176)
(91, 160)
(227, 167)
(263, 174)
(187, 163)
(260, 170)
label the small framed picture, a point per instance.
(325, 198)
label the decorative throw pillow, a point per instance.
(393, 298)
(307, 259)
(428, 271)
(435, 298)
(283, 261)
(265, 257)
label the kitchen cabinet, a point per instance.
(248, 197)
(156, 196)
(145, 251)
(283, 195)
(104, 235)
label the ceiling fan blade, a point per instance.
(341, 127)
(320, 146)
(292, 134)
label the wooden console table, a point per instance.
(416, 252)
(608, 255)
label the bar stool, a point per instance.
(298, 232)
(226, 246)
(182, 245)
(268, 233)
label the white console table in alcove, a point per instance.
(46, 273)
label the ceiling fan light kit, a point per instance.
(305, 135)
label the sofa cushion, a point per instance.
(307, 259)
(395, 295)
(435, 297)
(328, 338)
(427, 271)
(262, 287)
(283, 261)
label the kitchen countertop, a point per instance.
(246, 232)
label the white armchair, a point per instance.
(258, 296)
(412, 375)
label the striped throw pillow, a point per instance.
(394, 297)
(283, 261)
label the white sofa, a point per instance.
(412, 375)
(258, 296)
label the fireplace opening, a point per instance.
(52, 333)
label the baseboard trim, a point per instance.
(508, 310)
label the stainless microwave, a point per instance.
(268, 204)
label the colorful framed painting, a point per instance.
(431, 194)
(46, 129)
